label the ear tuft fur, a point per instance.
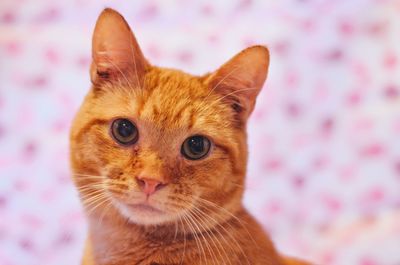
(241, 79)
(115, 51)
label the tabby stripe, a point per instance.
(89, 125)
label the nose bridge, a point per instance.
(152, 166)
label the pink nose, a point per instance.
(149, 186)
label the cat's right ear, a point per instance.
(116, 54)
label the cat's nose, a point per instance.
(149, 186)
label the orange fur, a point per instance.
(200, 218)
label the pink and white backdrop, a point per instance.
(324, 175)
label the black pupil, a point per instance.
(196, 144)
(125, 128)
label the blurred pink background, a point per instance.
(324, 174)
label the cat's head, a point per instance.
(156, 145)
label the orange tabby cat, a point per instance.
(159, 157)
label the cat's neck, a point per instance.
(118, 243)
(117, 228)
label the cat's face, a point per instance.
(158, 145)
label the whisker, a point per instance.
(116, 182)
(184, 241)
(229, 94)
(108, 180)
(123, 75)
(105, 211)
(219, 207)
(88, 188)
(222, 80)
(217, 228)
(90, 198)
(115, 188)
(202, 221)
(176, 230)
(233, 216)
(200, 232)
(98, 203)
(245, 187)
(234, 239)
(99, 186)
(89, 176)
(199, 245)
(87, 196)
(211, 235)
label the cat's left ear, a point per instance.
(241, 79)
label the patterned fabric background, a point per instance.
(324, 175)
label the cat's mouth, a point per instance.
(142, 212)
(148, 211)
(144, 207)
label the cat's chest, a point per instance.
(142, 253)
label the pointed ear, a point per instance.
(240, 79)
(115, 51)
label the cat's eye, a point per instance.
(124, 131)
(195, 147)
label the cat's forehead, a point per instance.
(176, 99)
(168, 99)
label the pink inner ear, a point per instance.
(115, 50)
(243, 76)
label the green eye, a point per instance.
(195, 147)
(124, 132)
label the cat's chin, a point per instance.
(144, 214)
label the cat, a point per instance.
(159, 157)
